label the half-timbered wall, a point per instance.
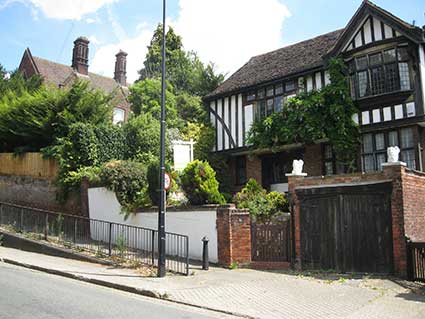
(371, 30)
(233, 115)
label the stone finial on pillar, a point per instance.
(297, 169)
(393, 153)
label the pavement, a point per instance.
(251, 293)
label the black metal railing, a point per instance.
(416, 261)
(123, 243)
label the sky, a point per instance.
(225, 32)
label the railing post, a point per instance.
(46, 226)
(153, 247)
(75, 230)
(110, 240)
(187, 256)
(21, 225)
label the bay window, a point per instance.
(380, 72)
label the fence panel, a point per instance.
(124, 243)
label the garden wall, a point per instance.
(193, 222)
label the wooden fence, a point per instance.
(28, 164)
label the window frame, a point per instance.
(372, 90)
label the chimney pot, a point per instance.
(120, 74)
(80, 55)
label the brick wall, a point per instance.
(313, 160)
(253, 168)
(413, 188)
(233, 235)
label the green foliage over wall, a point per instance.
(312, 116)
(200, 185)
(261, 204)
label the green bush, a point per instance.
(261, 204)
(200, 185)
(129, 182)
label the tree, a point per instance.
(35, 118)
(185, 71)
(145, 98)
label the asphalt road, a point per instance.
(26, 293)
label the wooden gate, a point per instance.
(416, 261)
(346, 228)
(271, 242)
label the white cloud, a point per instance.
(227, 32)
(69, 9)
(94, 40)
(104, 58)
(90, 20)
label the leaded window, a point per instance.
(374, 148)
(381, 72)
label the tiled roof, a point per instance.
(280, 63)
(57, 74)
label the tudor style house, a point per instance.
(61, 75)
(386, 61)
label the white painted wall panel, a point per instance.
(388, 32)
(233, 113)
(226, 119)
(212, 119)
(422, 72)
(309, 83)
(240, 119)
(358, 40)
(219, 127)
(318, 79)
(103, 205)
(249, 118)
(327, 78)
(367, 30)
(377, 29)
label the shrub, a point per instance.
(261, 204)
(200, 185)
(129, 182)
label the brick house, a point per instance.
(60, 75)
(386, 60)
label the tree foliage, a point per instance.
(33, 119)
(185, 71)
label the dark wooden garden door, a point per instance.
(346, 228)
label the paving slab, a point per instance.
(250, 293)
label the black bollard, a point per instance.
(205, 258)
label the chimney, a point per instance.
(80, 55)
(120, 74)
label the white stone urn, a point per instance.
(393, 153)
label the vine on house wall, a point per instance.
(311, 116)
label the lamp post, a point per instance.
(162, 204)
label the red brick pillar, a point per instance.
(395, 171)
(233, 235)
(292, 183)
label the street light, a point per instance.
(162, 204)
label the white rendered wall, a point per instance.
(103, 205)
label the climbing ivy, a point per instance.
(312, 116)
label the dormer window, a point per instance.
(379, 73)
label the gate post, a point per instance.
(233, 235)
